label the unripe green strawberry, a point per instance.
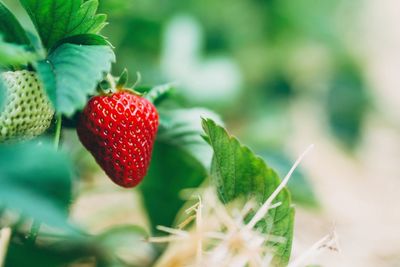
(27, 111)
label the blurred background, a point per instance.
(284, 74)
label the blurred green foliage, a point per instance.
(347, 103)
(36, 183)
(275, 44)
(34, 175)
(171, 171)
(264, 38)
(284, 50)
(181, 158)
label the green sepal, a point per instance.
(10, 28)
(123, 79)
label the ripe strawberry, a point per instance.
(27, 111)
(119, 130)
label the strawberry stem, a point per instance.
(123, 80)
(31, 239)
(58, 131)
(36, 224)
(110, 79)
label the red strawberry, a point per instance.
(119, 130)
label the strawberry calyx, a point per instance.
(130, 90)
(123, 79)
(154, 94)
(112, 85)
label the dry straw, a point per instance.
(217, 235)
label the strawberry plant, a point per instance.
(59, 77)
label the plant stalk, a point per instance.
(31, 239)
(58, 131)
(36, 224)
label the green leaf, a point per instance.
(238, 173)
(36, 181)
(72, 72)
(47, 76)
(182, 128)
(58, 19)
(172, 169)
(10, 28)
(127, 243)
(158, 93)
(123, 79)
(180, 160)
(14, 54)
